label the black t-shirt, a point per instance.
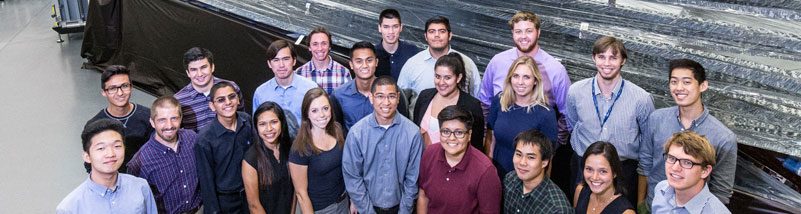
(324, 173)
(277, 197)
(137, 130)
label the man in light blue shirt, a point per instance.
(106, 190)
(381, 158)
(286, 88)
(689, 161)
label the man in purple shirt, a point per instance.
(194, 97)
(167, 160)
(322, 69)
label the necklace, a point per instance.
(601, 204)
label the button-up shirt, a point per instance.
(380, 165)
(171, 172)
(544, 198)
(418, 74)
(129, 195)
(218, 157)
(472, 186)
(626, 121)
(392, 63)
(702, 203)
(327, 78)
(663, 124)
(195, 106)
(289, 97)
(355, 105)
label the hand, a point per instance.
(353, 208)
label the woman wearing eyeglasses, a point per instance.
(455, 177)
(449, 81)
(521, 106)
(602, 190)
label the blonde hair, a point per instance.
(537, 95)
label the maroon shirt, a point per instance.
(472, 186)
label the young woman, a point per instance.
(449, 81)
(602, 169)
(522, 105)
(264, 170)
(315, 161)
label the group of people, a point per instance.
(325, 139)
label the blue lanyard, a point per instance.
(595, 101)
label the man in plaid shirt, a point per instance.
(322, 69)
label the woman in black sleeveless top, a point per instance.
(264, 171)
(602, 191)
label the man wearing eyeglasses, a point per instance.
(116, 87)
(687, 81)
(689, 160)
(381, 158)
(219, 152)
(194, 97)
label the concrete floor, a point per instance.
(46, 99)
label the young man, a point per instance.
(286, 88)
(392, 53)
(194, 97)
(418, 72)
(608, 108)
(116, 87)
(167, 160)
(381, 158)
(689, 159)
(322, 69)
(219, 153)
(352, 97)
(106, 190)
(527, 189)
(687, 82)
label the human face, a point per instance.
(523, 81)
(199, 72)
(118, 90)
(608, 64)
(224, 102)
(598, 174)
(453, 145)
(269, 127)
(282, 64)
(438, 36)
(319, 47)
(363, 63)
(685, 89)
(385, 102)
(390, 30)
(106, 153)
(166, 123)
(319, 112)
(445, 81)
(525, 36)
(528, 162)
(683, 179)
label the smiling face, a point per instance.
(363, 63)
(525, 35)
(608, 64)
(269, 127)
(528, 162)
(282, 64)
(445, 81)
(319, 112)
(118, 90)
(385, 102)
(453, 145)
(166, 123)
(685, 179)
(685, 89)
(437, 36)
(390, 30)
(224, 102)
(598, 174)
(106, 153)
(319, 46)
(523, 81)
(200, 72)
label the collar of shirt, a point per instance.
(696, 122)
(350, 88)
(331, 65)
(427, 53)
(373, 122)
(614, 90)
(218, 129)
(194, 93)
(100, 189)
(699, 201)
(161, 147)
(274, 82)
(462, 165)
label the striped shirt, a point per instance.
(171, 174)
(195, 106)
(327, 78)
(626, 122)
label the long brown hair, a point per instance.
(303, 141)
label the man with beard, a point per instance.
(194, 97)
(116, 87)
(392, 53)
(167, 160)
(322, 69)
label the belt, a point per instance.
(393, 209)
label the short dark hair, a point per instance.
(454, 62)
(699, 73)
(110, 71)
(535, 137)
(608, 151)
(454, 112)
(218, 86)
(197, 53)
(277, 45)
(389, 14)
(320, 29)
(362, 45)
(607, 42)
(165, 101)
(384, 80)
(98, 126)
(438, 20)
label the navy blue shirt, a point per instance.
(324, 173)
(506, 125)
(391, 63)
